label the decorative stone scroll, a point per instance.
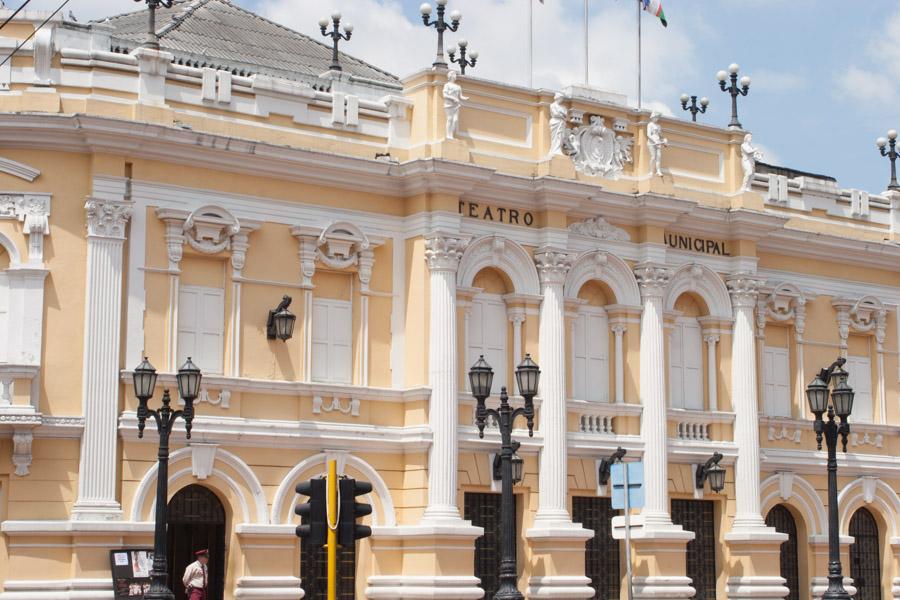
(33, 211)
(21, 457)
(598, 228)
(863, 316)
(335, 405)
(209, 228)
(341, 245)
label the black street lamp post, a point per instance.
(841, 404)
(481, 377)
(441, 26)
(734, 89)
(462, 61)
(188, 380)
(336, 36)
(891, 142)
(694, 108)
(152, 40)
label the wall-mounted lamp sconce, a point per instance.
(607, 463)
(280, 324)
(517, 463)
(713, 472)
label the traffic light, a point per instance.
(351, 510)
(315, 530)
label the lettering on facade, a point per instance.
(695, 244)
(498, 214)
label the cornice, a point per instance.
(822, 246)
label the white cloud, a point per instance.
(768, 156)
(876, 79)
(771, 81)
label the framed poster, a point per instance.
(131, 572)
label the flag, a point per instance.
(655, 8)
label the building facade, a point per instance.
(161, 203)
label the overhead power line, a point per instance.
(36, 29)
(15, 12)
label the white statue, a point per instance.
(655, 143)
(749, 156)
(559, 115)
(596, 149)
(452, 102)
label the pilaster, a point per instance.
(753, 546)
(557, 545)
(106, 222)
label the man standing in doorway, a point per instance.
(195, 576)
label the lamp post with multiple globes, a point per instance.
(462, 61)
(694, 107)
(481, 377)
(734, 89)
(891, 152)
(838, 401)
(441, 26)
(188, 381)
(336, 36)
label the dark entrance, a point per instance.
(601, 558)
(865, 558)
(697, 516)
(196, 521)
(314, 571)
(783, 521)
(484, 511)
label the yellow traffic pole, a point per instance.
(332, 498)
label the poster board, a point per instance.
(130, 572)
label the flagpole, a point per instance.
(530, 43)
(639, 54)
(586, 73)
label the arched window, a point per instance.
(487, 330)
(783, 521)
(590, 345)
(196, 522)
(865, 556)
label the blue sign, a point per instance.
(635, 484)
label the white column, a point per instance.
(366, 262)
(516, 317)
(106, 220)
(711, 371)
(553, 265)
(619, 330)
(799, 328)
(748, 515)
(174, 247)
(443, 254)
(653, 280)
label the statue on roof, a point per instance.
(559, 118)
(749, 156)
(452, 103)
(655, 143)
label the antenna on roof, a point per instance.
(152, 41)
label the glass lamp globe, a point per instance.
(684, 98)
(892, 134)
(441, 2)
(348, 28)
(323, 22)
(881, 142)
(704, 101)
(481, 377)
(733, 68)
(425, 9)
(817, 396)
(721, 75)
(463, 43)
(474, 54)
(745, 81)
(455, 16)
(335, 16)
(716, 477)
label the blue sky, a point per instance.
(826, 73)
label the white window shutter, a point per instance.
(596, 364)
(777, 382)
(487, 335)
(201, 327)
(692, 358)
(860, 370)
(579, 358)
(332, 341)
(676, 368)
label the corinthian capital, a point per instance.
(107, 218)
(744, 289)
(652, 279)
(553, 265)
(442, 253)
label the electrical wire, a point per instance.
(36, 29)
(13, 16)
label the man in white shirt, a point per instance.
(196, 577)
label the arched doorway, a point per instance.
(196, 521)
(865, 557)
(783, 521)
